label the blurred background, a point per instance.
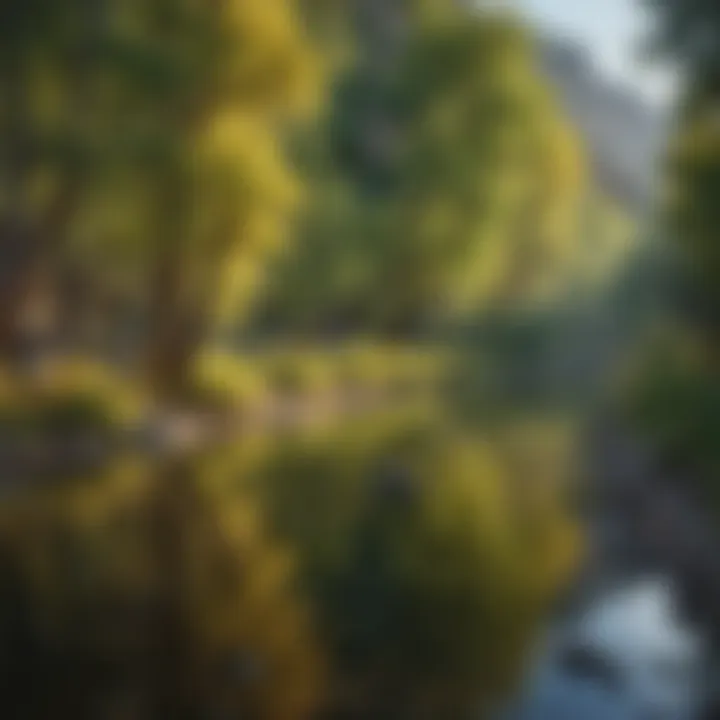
(359, 359)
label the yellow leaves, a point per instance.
(484, 271)
(557, 165)
(273, 62)
(241, 176)
(245, 611)
(544, 211)
(562, 161)
(558, 550)
(464, 553)
(229, 381)
(251, 149)
(111, 550)
(495, 174)
(91, 378)
(469, 505)
(235, 75)
(701, 136)
(244, 200)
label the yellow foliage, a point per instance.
(106, 553)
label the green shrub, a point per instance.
(69, 396)
(299, 373)
(223, 381)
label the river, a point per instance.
(625, 656)
(626, 649)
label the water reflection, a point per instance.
(393, 568)
(627, 655)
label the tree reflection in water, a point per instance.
(382, 570)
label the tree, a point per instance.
(142, 593)
(677, 400)
(219, 190)
(430, 557)
(439, 597)
(457, 181)
(687, 34)
(52, 64)
(493, 173)
(151, 131)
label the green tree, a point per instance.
(220, 190)
(456, 180)
(52, 64)
(430, 558)
(491, 173)
(144, 594)
(687, 34)
(150, 132)
(676, 399)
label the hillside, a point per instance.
(623, 133)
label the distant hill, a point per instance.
(623, 133)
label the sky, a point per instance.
(612, 30)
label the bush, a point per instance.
(223, 381)
(69, 396)
(673, 397)
(299, 373)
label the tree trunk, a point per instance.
(166, 369)
(180, 313)
(177, 328)
(17, 246)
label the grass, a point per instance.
(68, 396)
(78, 395)
(247, 381)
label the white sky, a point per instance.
(612, 30)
